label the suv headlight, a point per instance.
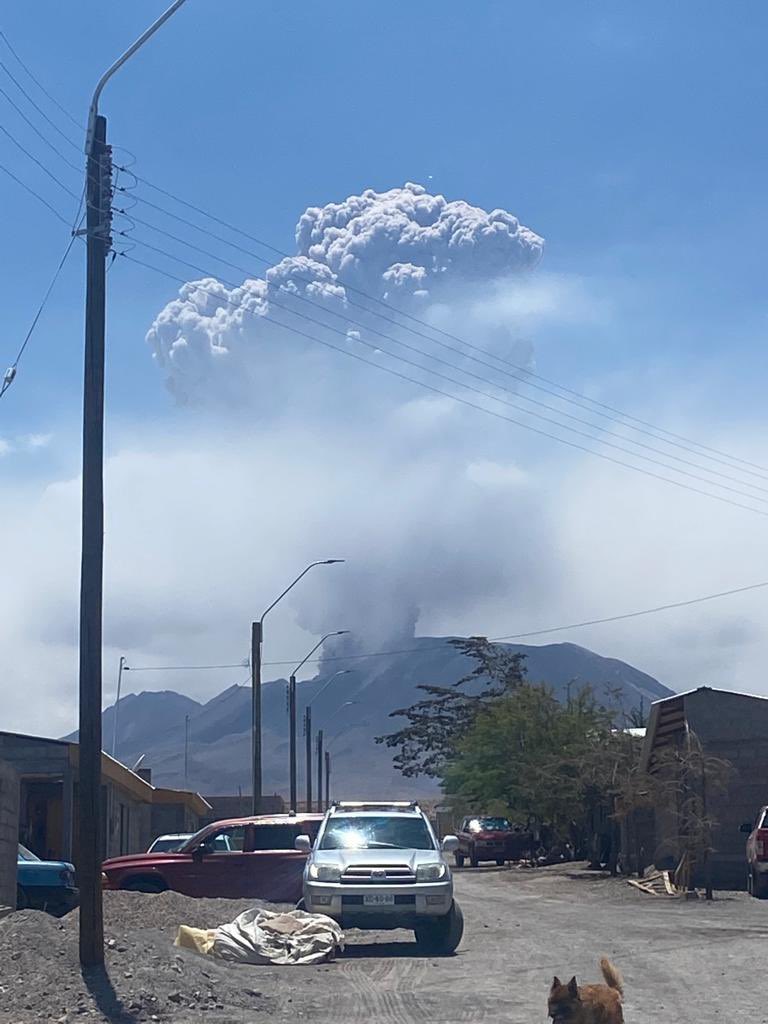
(431, 872)
(325, 872)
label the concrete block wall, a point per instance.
(9, 834)
(734, 727)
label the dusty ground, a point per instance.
(684, 963)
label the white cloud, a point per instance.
(495, 475)
(36, 441)
(451, 521)
(403, 245)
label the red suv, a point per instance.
(242, 858)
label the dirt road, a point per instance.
(684, 963)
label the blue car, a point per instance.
(44, 884)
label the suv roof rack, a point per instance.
(363, 805)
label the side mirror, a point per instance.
(450, 844)
(303, 844)
(746, 828)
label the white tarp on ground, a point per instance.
(264, 937)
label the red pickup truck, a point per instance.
(483, 838)
(243, 858)
(757, 854)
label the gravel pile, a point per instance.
(146, 978)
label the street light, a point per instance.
(257, 636)
(98, 210)
(123, 668)
(292, 714)
(308, 737)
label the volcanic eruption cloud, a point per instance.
(404, 247)
(419, 494)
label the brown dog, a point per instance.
(588, 1004)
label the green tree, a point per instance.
(532, 755)
(435, 725)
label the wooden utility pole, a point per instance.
(308, 741)
(90, 823)
(292, 744)
(256, 634)
(327, 779)
(186, 751)
(319, 769)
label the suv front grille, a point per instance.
(373, 874)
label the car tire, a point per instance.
(459, 859)
(500, 862)
(759, 886)
(22, 900)
(149, 885)
(301, 905)
(442, 937)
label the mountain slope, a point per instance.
(355, 708)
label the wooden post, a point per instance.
(98, 198)
(319, 769)
(256, 637)
(308, 741)
(292, 744)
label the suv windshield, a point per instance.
(368, 832)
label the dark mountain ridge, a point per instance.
(353, 710)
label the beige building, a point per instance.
(133, 811)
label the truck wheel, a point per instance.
(459, 858)
(151, 885)
(473, 858)
(759, 886)
(442, 937)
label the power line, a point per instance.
(464, 386)
(39, 85)
(183, 668)
(39, 163)
(528, 373)
(10, 374)
(40, 135)
(39, 109)
(37, 195)
(550, 629)
(485, 380)
(493, 640)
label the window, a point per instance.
(226, 840)
(489, 825)
(369, 832)
(275, 837)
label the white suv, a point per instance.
(380, 866)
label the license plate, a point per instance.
(379, 899)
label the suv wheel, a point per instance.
(459, 858)
(444, 935)
(759, 886)
(473, 857)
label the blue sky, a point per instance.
(627, 135)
